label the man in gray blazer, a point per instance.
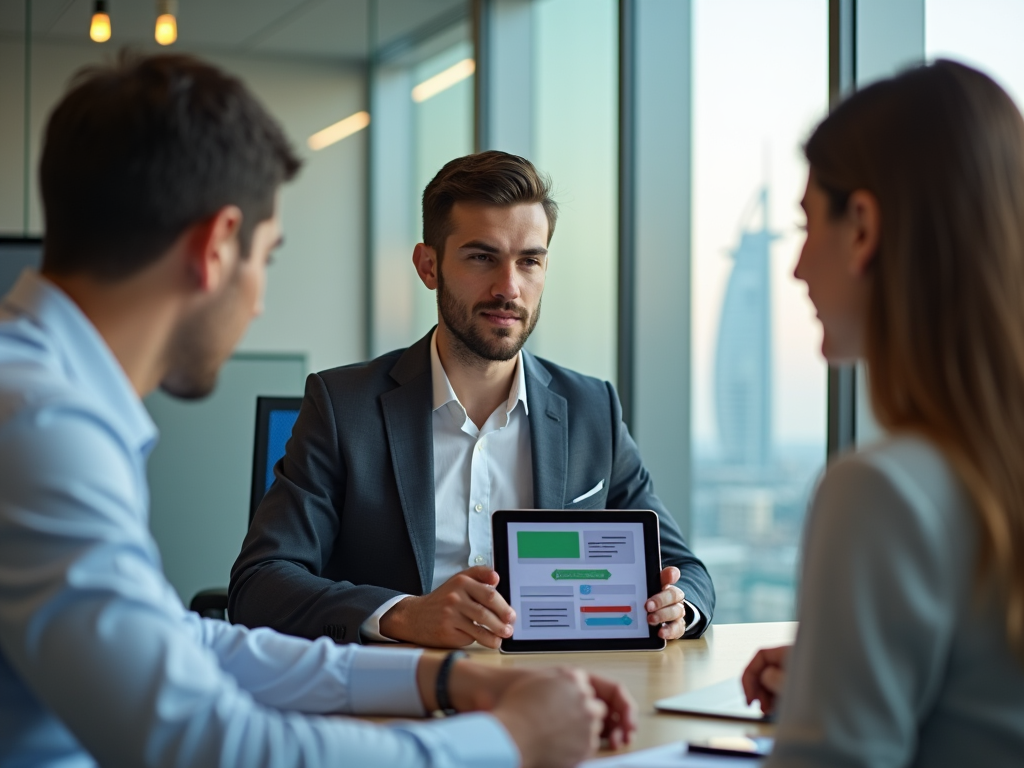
(378, 524)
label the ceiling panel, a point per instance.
(322, 28)
(398, 18)
(331, 28)
(216, 23)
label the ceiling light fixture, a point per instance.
(166, 31)
(442, 81)
(99, 29)
(340, 130)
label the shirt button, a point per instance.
(479, 507)
(478, 559)
(480, 446)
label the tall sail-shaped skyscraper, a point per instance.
(743, 357)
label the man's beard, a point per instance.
(501, 345)
(194, 366)
(199, 347)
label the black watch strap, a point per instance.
(444, 702)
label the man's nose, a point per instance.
(506, 286)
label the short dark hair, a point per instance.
(484, 178)
(138, 151)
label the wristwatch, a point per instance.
(444, 702)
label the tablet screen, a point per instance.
(578, 580)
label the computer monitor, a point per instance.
(275, 417)
(16, 253)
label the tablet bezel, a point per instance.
(652, 552)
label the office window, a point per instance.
(981, 33)
(760, 83)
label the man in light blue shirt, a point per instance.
(159, 179)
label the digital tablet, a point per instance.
(578, 581)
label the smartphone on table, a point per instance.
(733, 746)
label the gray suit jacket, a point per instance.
(349, 521)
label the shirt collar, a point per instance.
(444, 394)
(87, 361)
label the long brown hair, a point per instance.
(942, 149)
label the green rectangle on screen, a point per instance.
(564, 545)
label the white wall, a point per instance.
(314, 299)
(12, 142)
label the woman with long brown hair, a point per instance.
(911, 642)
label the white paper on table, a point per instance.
(670, 756)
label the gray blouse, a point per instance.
(900, 659)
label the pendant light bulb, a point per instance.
(166, 31)
(99, 29)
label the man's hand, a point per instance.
(666, 607)
(465, 608)
(476, 687)
(764, 676)
(557, 717)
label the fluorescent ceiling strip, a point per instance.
(340, 130)
(442, 81)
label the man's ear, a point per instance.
(213, 248)
(425, 259)
(866, 222)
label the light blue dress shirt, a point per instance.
(99, 660)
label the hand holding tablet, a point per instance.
(580, 580)
(667, 608)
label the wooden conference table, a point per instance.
(684, 665)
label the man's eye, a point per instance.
(530, 262)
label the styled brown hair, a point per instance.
(941, 148)
(485, 178)
(138, 151)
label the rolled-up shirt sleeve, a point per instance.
(92, 628)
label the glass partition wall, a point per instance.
(305, 61)
(421, 86)
(671, 130)
(575, 141)
(563, 119)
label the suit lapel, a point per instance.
(549, 436)
(407, 418)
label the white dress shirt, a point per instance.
(100, 663)
(476, 471)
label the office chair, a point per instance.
(275, 417)
(16, 253)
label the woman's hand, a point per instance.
(764, 676)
